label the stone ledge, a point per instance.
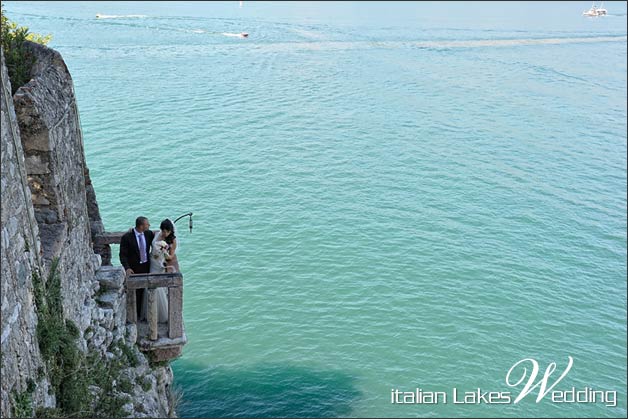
(146, 344)
(160, 355)
(163, 348)
(109, 300)
(111, 277)
(108, 238)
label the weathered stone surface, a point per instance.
(93, 211)
(111, 277)
(96, 262)
(131, 333)
(46, 216)
(20, 258)
(52, 140)
(49, 211)
(53, 239)
(166, 354)
(162, 342)
(35, 164)
(109, 300)
(106, 320)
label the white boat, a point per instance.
(237, 35)
(595, 11)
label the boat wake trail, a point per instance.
(516, 42)
(101, 16)
(438, 45)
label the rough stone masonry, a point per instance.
(49, 212)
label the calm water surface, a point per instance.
(385, 196)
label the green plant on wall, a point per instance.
(18, 60)
(71, 372)
(57, 344)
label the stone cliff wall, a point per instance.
(20, 254)
(49, 218)
(55, 165)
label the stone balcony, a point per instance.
(163, 341)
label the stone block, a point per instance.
(35, 165)
(109, 300)
(166, 354)
(120, 313)
(52, 238)
(111, 277)
(107, 320)
(96, 261)
(131, 333)
(46, 216)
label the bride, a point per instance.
(163, 259)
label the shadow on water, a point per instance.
(270, 390)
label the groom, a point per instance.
(135, 252)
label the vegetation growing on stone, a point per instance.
(18, 60)
(23, 402)
(71, 372)
(129, 353)
(57, 344)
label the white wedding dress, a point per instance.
(157, 265)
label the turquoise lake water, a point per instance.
(385, 196)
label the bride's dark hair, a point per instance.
(167, 225)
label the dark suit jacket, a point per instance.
(130, 251)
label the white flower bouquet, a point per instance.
(160, 249)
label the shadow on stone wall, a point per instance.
(270, 390)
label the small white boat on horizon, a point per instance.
(236, 35)
(595, 11)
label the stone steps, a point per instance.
(110, 296)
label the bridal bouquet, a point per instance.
(161, 247)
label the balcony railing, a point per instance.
(165, 340)
(150, 282)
